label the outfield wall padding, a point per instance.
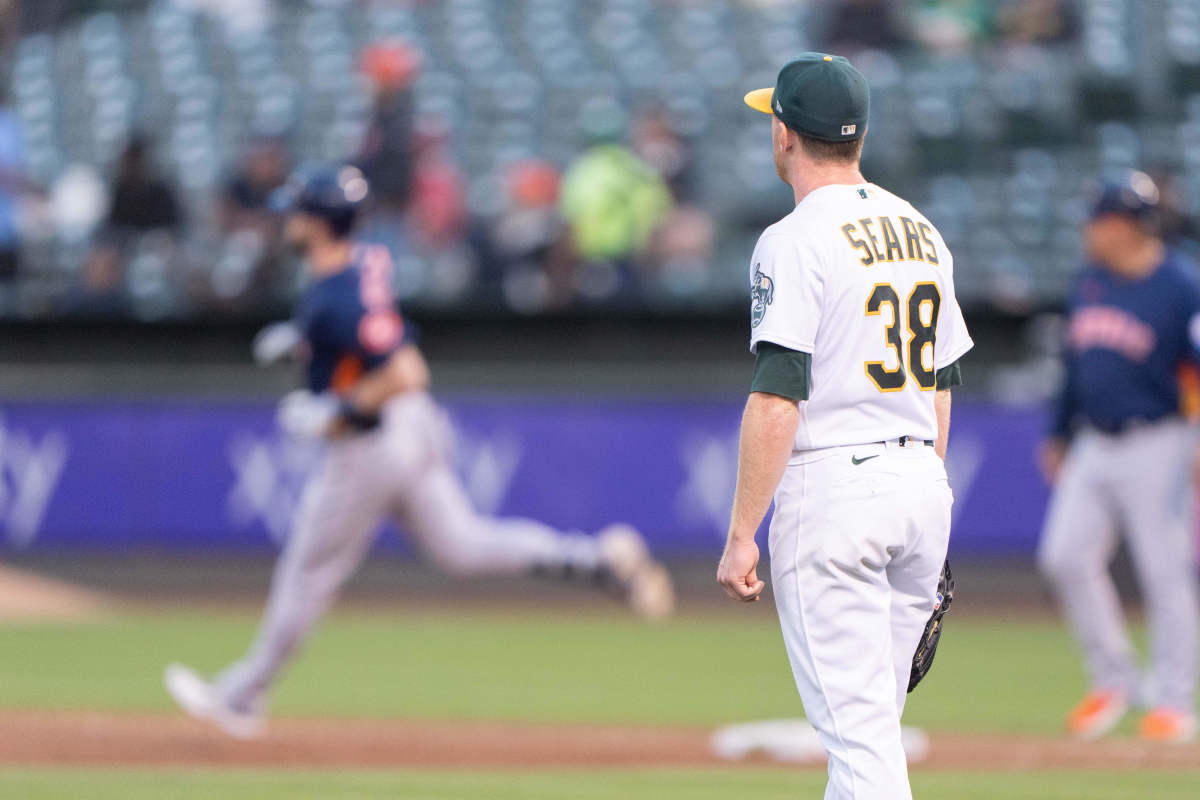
(177, 475)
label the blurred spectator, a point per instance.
(438, 205)
(681, 245)
(682, 253)
(100, 291)
(12, 186)
(1177, 228)
(142, 200)
(388, 152)
(142, 203)
(612, 201)
(1038, 21)
(247, 266)
(264, 169)
(864, 24)
(656, 141)
(526, 253)
(952, 26)
(77, 203)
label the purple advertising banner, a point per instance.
(171, 475)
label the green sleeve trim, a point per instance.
(949, 376)
(778, 370)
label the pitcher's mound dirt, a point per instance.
(25, 595)
(92, 738)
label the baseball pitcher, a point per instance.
(1120, 457)
(386, 456)
(857, 336)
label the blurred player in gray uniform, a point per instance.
(367, 395)
(1120, 457)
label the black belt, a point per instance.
(903, 441)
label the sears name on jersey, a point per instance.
(916, 246)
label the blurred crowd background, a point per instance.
(539, 156)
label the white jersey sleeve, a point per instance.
(786, 293)
(953, 341)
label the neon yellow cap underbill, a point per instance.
(760, 100)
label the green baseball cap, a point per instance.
(819, 95)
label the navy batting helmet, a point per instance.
(1132, 194)
(335, 194)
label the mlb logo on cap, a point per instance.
(821, 96)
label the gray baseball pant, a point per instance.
(399, 471)
(1137, 484)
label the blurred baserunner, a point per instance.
(386, 455)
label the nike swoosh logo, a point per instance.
(855, 460)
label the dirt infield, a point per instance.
(26, 596)
(88, 738)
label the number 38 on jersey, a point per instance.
(911, 354)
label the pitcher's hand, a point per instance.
(737, 571)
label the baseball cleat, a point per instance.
(1097, 714)
(646, 583)
(1168, 725)
(200, 699)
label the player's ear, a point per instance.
(781, 135)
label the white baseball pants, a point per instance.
(856, 552)
(400, 471)
(1138, 483)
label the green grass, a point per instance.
(708, 784)
(991, 675)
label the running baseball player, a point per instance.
(857, 336)
(367, 394)
(1120, 459)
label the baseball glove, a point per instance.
(927, 647)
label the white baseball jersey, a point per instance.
(859, 279)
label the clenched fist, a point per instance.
(737, 571)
